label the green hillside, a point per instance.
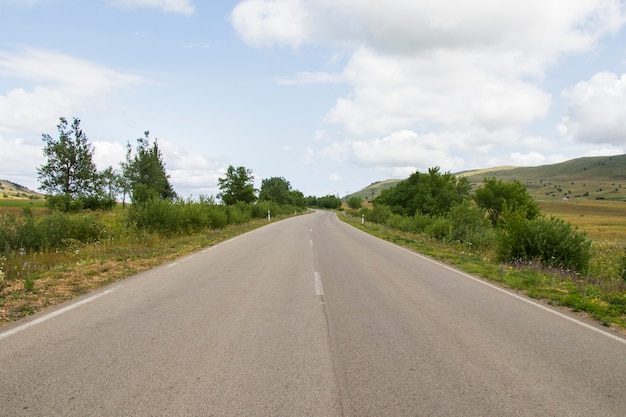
(592, 178)
(373, 190)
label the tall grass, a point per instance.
(32, 243)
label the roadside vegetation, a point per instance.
(498, 231)
(96, 227)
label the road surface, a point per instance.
(308, 317)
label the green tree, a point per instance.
(278, 190)
(431, 193)
(496, 196)
(69, 174)
(355, 203)
(110, 182)
(329, 202)
(237, 186)
(145, 172)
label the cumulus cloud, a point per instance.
(269, 23)
(108, 154)
(403, 26)
(169, 6)
(21, 167)
(403, 148)
(54, 84)
(596, 110)
(464, 75)
(443, 88)
(191, 171)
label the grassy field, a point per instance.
(601, 219)
(17, 205)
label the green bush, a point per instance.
(421, 222)
(380, 214)
(551, 241)
(400, 222)
(239, 213)
(440, 228)
(51, 231)
(154, 215)
(216, 216)
(471, 225)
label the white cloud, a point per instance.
(54, 84)
(32, 111)
(528, 159)
(191, 171)
(444, 88)
(21, 166)
(403, 148)
(430, 80)
(609, 150)
(268, 23)
(108, 154)
(400, 26)
(170, 6)
(334, 177)
(597, 110)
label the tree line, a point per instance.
(72, 182)
(498, 215)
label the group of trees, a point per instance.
(72, 182)
(501, 215)
(238, 187)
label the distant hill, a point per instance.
(594, 178)
(10, 189)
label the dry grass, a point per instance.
(62, 275)
(601, 219)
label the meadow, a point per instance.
(600, 219)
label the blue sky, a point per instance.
(330, 95)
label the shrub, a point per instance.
(400, 222)
(47, 232)
(551, 241)
(440, 228)
(471, 225)
(216, 216)
(355, 203)
(380, 214)
(421, 222)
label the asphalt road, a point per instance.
(308, 317)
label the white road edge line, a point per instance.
(511, 294)
(54, 314)
(318, 284)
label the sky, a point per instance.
(331, 95)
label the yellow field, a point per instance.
(601, 219)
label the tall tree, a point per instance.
(496, 196)
(111, 182)
(69, 173)
(69, 177)
(145, 172)
(238, 185)
(278, 190)
(433, 193)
